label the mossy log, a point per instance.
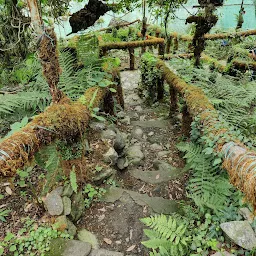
(217, 36)
(118, 26)
(238, 160)
(133, 44)
(65, 120)
(235, 64)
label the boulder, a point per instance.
(64, 247)
(104, 174)
(108, 134)
(67, 191)
(137, 133)
(247, 214)
(241, 233)
(53, 202)
(66, 205)
(97, 126)
(119, 142)
(63, 223)
(135, 154)
(122, 163)
(77, 206)
(111, 156)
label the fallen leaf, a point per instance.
(27, 207)
(101, 217)
(8, 191)
(131, 248)
(107, 241)
(157, 176)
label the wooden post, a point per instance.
(173, 101)
(160, 88)
(186, 121)
(132, 58)
(168, 44)
(175, 44)
(161, 49)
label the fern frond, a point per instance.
(206, 187)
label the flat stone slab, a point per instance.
(103, 252)
(152, 124)
(157, 204)
(155, 177)
(241, 233)
(64, 247)
(53, 202)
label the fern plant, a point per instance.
(207, 187)
(167, 236)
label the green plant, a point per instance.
(30, 240)
(93, 193)
(150, 77)
(3, 214)
(208, 187)
(168, 235)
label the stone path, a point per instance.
(153, 182)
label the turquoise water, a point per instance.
(227, 17)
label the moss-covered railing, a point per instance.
(238, 160)
(64, 120)
(235, 64)
(130, 46)
(216, 36)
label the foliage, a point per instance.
(93, 193)
(3, 214)
(150, 76)
(168, 236)
(208, 187)
(30, 240)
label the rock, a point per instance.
(108, 134)
(247, 214)
(119, 142)
(77, 206)
(104, 174)
(126, 120)
(137, 133)
(151, 133)
(97, 126)
(86, 236)
(241, 233)
(225, 253)
(135, 154)
(67, 205)
(156, 147)
(65, 247)
(138, 109)
(163, 153)
(111, 156)
(53, 202)
(120, 114)
(103, 252)
(122, 163)
(63, 223)
(67, 191)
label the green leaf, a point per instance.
(13, 248)
(1, 250)
(217, 161)
(112, 89)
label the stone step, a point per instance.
(157, 204)
(163, 124)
